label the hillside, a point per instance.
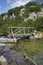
(39, 1)
(28, 15)
(26, 47)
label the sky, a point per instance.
(5, 5)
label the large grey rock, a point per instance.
(15, 58)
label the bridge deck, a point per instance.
(15, 37)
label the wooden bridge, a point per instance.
(20, 30)
(16, 33)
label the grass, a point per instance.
(30, 47)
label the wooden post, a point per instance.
(24, 30)
(11, 30)
(28, 29)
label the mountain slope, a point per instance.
(39, 1)
(19, 16)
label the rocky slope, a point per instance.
(14, 58)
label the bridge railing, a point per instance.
(19, 30)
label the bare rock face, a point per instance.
(15, 58)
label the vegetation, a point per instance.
(33, 7)
(38, 23)
(31, 4)
(3, 14)
(19, 20)
(29, 47)
(16, 11)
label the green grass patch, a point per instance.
(30, 47)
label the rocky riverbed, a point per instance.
(12, 57)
